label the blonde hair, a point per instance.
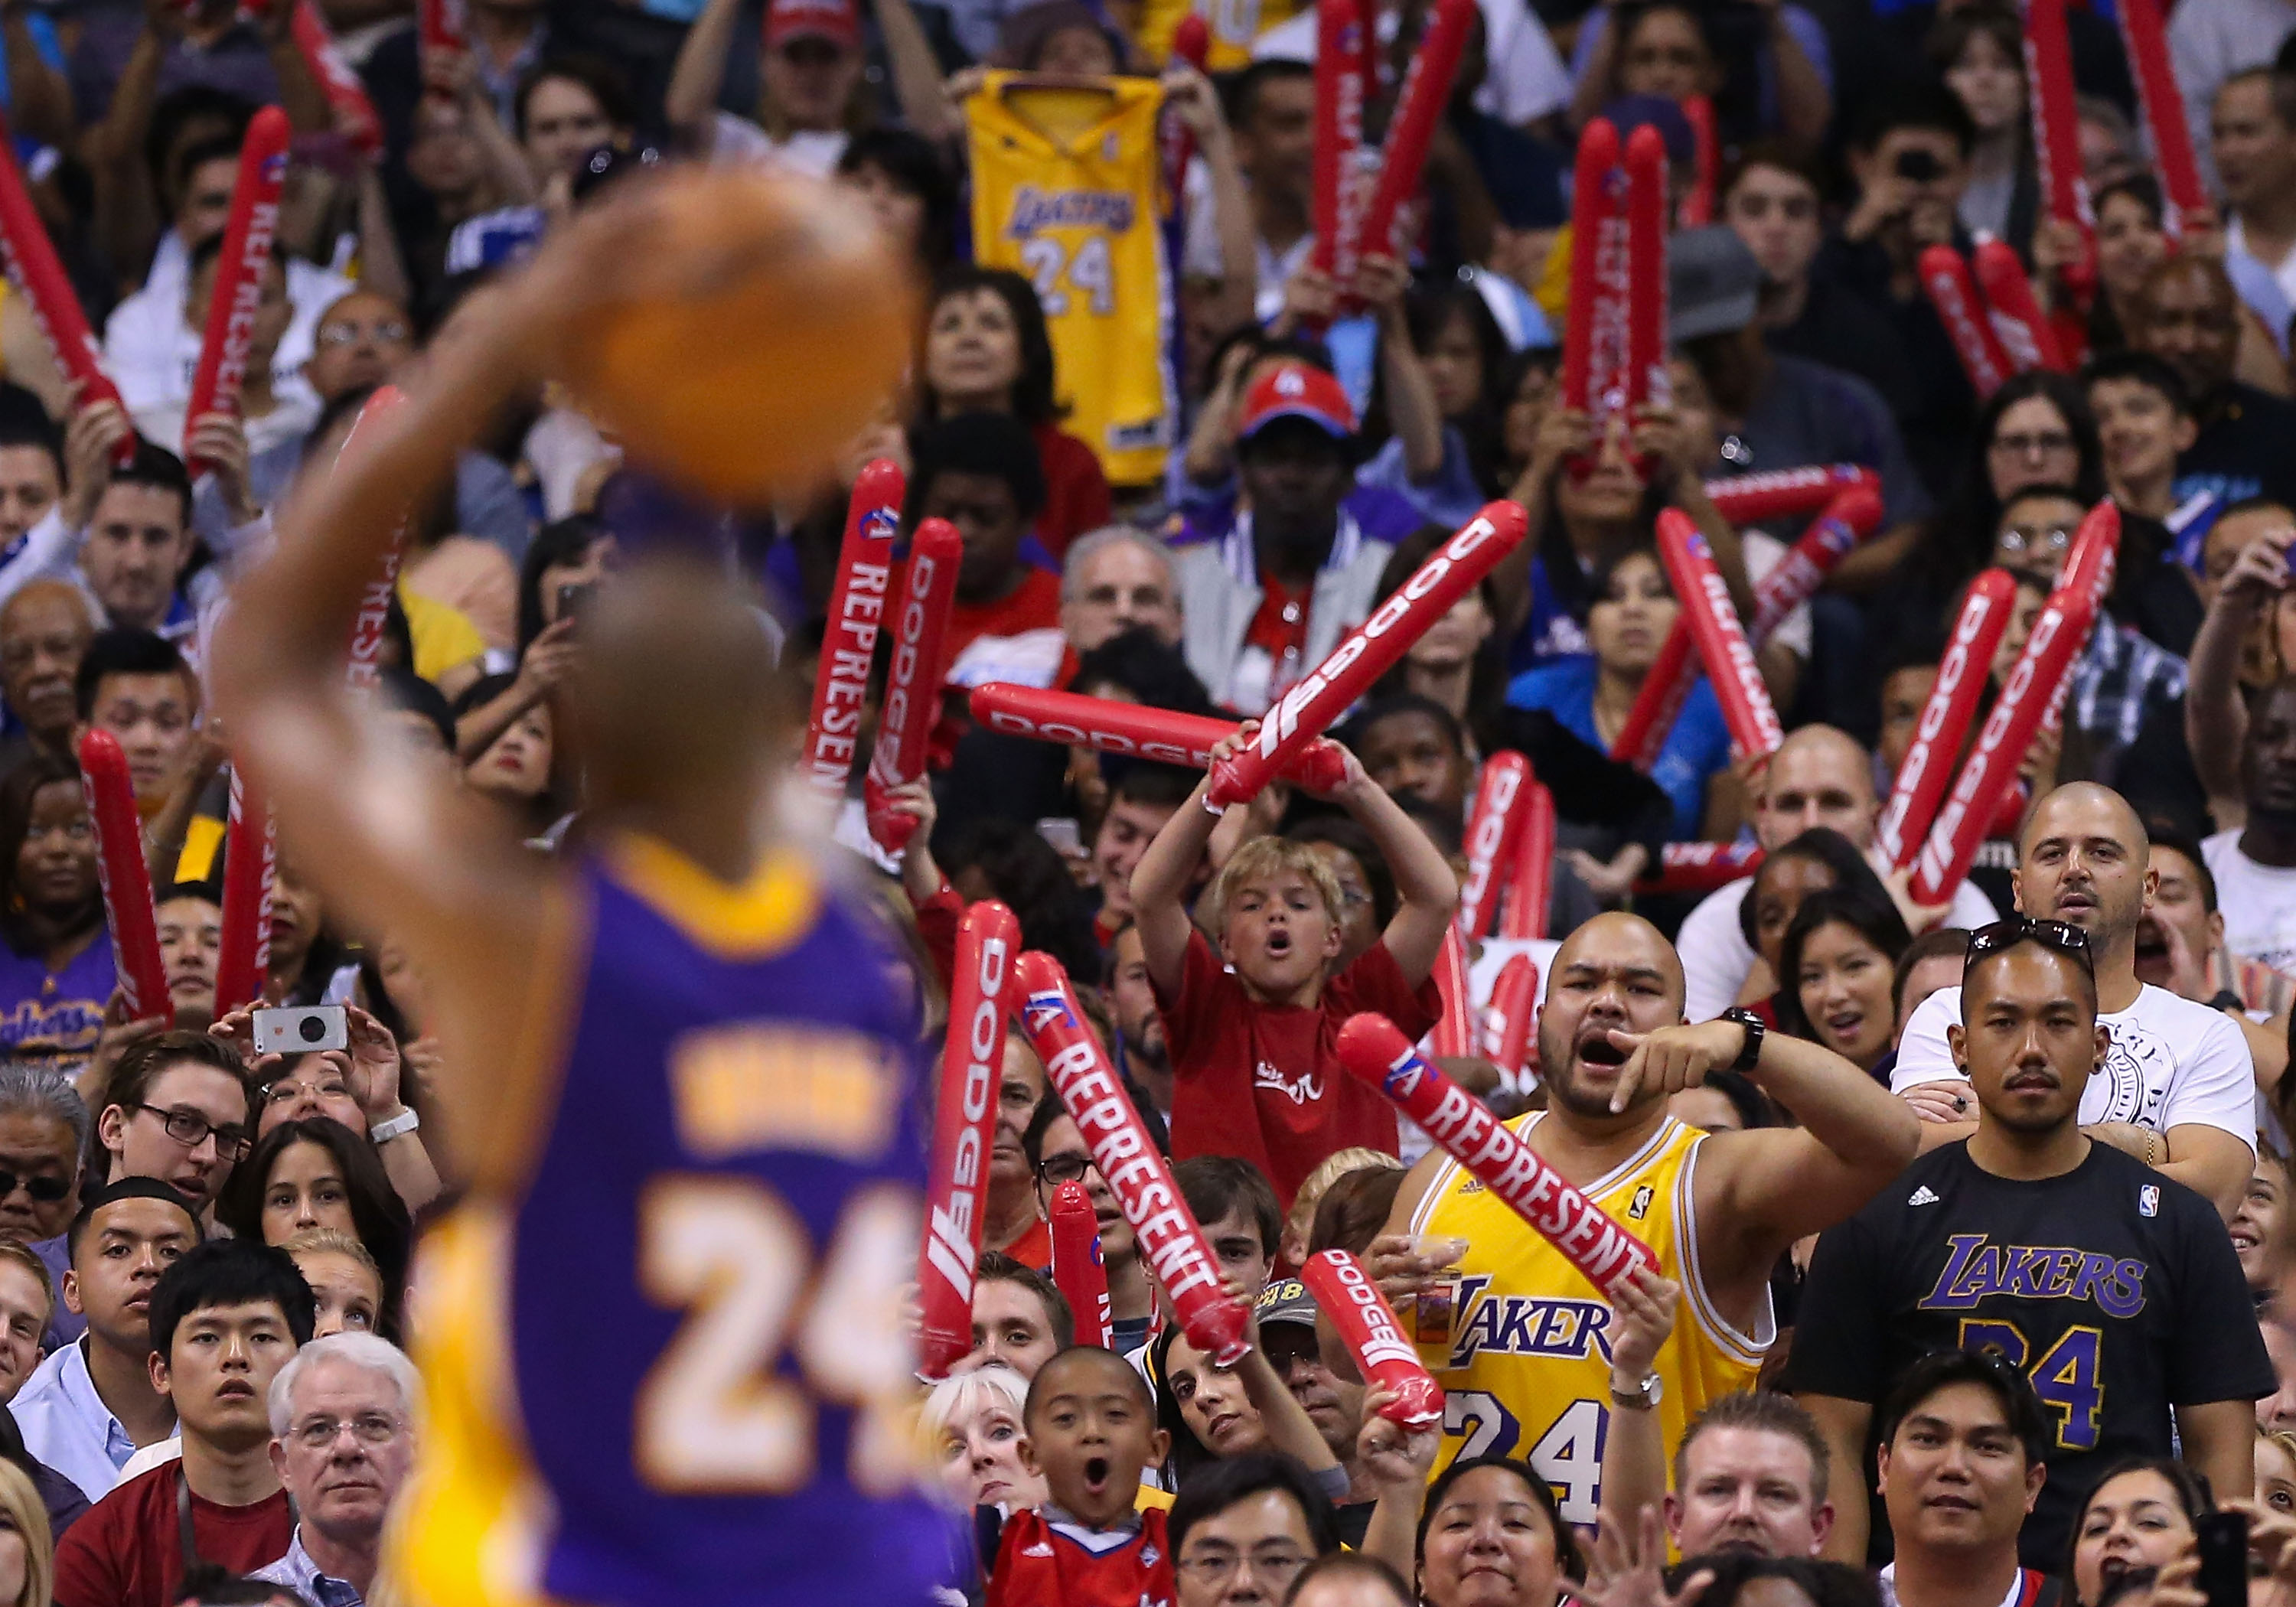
(21, 1501)
(9, 1250)
(1266, 857)
(959, 1396)
(1328, 1171)
(332, 1242)
(2281, 1440)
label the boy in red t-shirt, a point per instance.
(1251, 1029)
(1091, 1426)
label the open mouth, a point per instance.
(1845, 1023)
(2152, 942)
(1095, 1475)
(1598, 1050)
(1279, 944)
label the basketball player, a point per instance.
(661, 1336)
(2111, 1286)
(1526, 1365)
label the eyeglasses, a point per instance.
(1057, 1170)
(2032, 538)
(2066, 939)
(1212, 1567)
(2036, 445)
(45, 1189)
(368, 1428)
(191, 1129)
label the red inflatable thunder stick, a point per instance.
(1594, 325)
(2056, 133)
(1647, 377)
(1946, 281)
(856, 609)
(2095, 549)
(250, 859)
(1534, 866)
(1854, 514)
(1307, 709)
(238, 293)
(1699, 867)
(913, 685)
(126, 881)
(1754, 727)
(374, 601)
(1454, 1033)
(1515, 1006)
(1374, 1051)
(1492, 824)
(1136, 731)
(1170, 1242)
(1426, 91)
(32, 264)
(2162, 102)
(2019, 325)
(2034, 692)
(1698, 201)
(1367, 1325)
(1745, 499)
(1952, 704)
(1338, 134)
(987, 943)
(346, 96)
(1192, 42)
(1666, 687)
(1078, 1273)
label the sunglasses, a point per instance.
(2058, 934)
(47, 1191)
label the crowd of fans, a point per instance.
(1970, 1217)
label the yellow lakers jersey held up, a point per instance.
(1065, 188)
(1527, 1370)
(1231, 25)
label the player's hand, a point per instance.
(1645, 1304)
(1626, 1570)
(1408, 1265)
(1947, 1101)
(1388, 1456)
(1673, 1058)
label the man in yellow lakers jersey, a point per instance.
(1524, 1358)
(1065, 182)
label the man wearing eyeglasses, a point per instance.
(1057, 1155)
(2109, 1285)
(178, 1107)
(2175, 1084)
(342, 1428)
(1245, 1528)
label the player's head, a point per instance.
(1959, 1454)
(1749, 1476)
(2029, 1038)
(225, 1318)
(1278, 907)
(1820, 777)
(2085, 860)
(1092, 1429)
(676, 698)
(122, 1240)
(1019, 1319)
(1616, 973)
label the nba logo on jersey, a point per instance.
(2148, 1200)
(1641, 1207)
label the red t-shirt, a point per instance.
(1263, 1082)
(129, 1550)
(1035, 604)
(1044, 1564)
(1075, 491)
(1033, 1248)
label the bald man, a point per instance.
(1530, 1373)
(2176, 1089)
(1819, 777)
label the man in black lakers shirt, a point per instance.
(2113, 1288)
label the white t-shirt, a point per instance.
(1525, 81)
(2258, 903)
(2173, 1063)
(735, 141)
(1716, 960)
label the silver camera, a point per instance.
(301, 1031)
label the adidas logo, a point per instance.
(1923, 1195)
(1039, 1550)
(1473, 1185)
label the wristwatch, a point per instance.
(398, 1127)
(1643, 1397)
(1750, 1054)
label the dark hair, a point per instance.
(1751, 1105)
(916, 166)
(402, 689)
(1614, 557)
(199, 154)
(1913, 103)
(1216, 1184)
(1825, 846)
(2141, 368)
(995, 444)
(1149, 668)
(123, 651)
(1768, 1412)
(1989, 1370)
(603, 79)
(1215, 1487)
(211, 248)
(1769, 152)
(1960, 539)
(1158, 786)
(1354, 1210)
(130, 1188)
(1487, 676)
(1875, 919)
(230, 1272)
(994, 1267)
(560, 543)
(141, 1064)
(1049, 1110)
(160, 470)
(1950, 33)
(377, 1213)
(1569, 1564)
(2191, 1488)
(23, 785)
(1402, 703)
(24, 421)
(1029, 876)
(1346, 834)
(176, 110)
(1825, 1584)
(2161, 835)
(1937, 943)
(1482, 427)
(212, 1584)
(1034, 388)
(1116, 1363)
(1351, 1565)
(1240, 95)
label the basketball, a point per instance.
(769, 322)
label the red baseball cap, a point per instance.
(1297, 390)
(834, 20)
